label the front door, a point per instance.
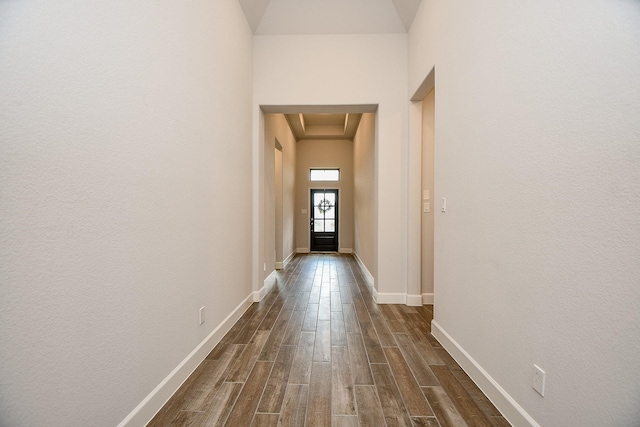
(324, 220)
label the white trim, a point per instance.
(150, 405)
(288, 259)
(414, 300)
(283, 264)
(302, 250)
(374, 294)
(266, 285)
(346, 250)
(510, 409)
(427, 299)
(379, 298)
(368, 278)
(389, 298)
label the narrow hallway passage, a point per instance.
(318, 351)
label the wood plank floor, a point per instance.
(317, 351)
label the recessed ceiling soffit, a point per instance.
(324, 126)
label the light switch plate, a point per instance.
(425, 194)
(538, 380)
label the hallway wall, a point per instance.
(320, 154)
(536, 258)
(276, 127)
(364, 191)
(125, 205)
(350, 70)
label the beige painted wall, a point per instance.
(278, 248)
(365, 193)
(292, 70)
(126, 176)
(537, 154)
(288, 195)
(325, 154)
(428, 115)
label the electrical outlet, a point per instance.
(201, 315)
(264, 267)
(538, 380)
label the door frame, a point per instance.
(310, 204)
(416, 296)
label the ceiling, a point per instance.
(280, 17)
(324, 125)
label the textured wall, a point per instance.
(324, 154)
(348, 70)
(276, 127)
(364, 190)
(536, 259)
(125, 198)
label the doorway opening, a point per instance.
(278, 187)
(328, 139)
(423, 190)
(428, 197)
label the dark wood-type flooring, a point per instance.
(318, 351)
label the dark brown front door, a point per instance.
(324, 220)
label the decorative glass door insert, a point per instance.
(324, 220)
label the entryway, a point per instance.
(324, 220)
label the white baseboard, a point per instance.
(283, 264)
(389, 298)
(427, 299)
(266, 285)
(414, 300)
(410, 300)
(288, 259)
(150, 405)
(509, 408)
(368, 277)
(346, 250)
(302, 250)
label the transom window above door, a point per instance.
(324, 174)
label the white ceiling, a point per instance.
(279, 17)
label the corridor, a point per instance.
(318, 351)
